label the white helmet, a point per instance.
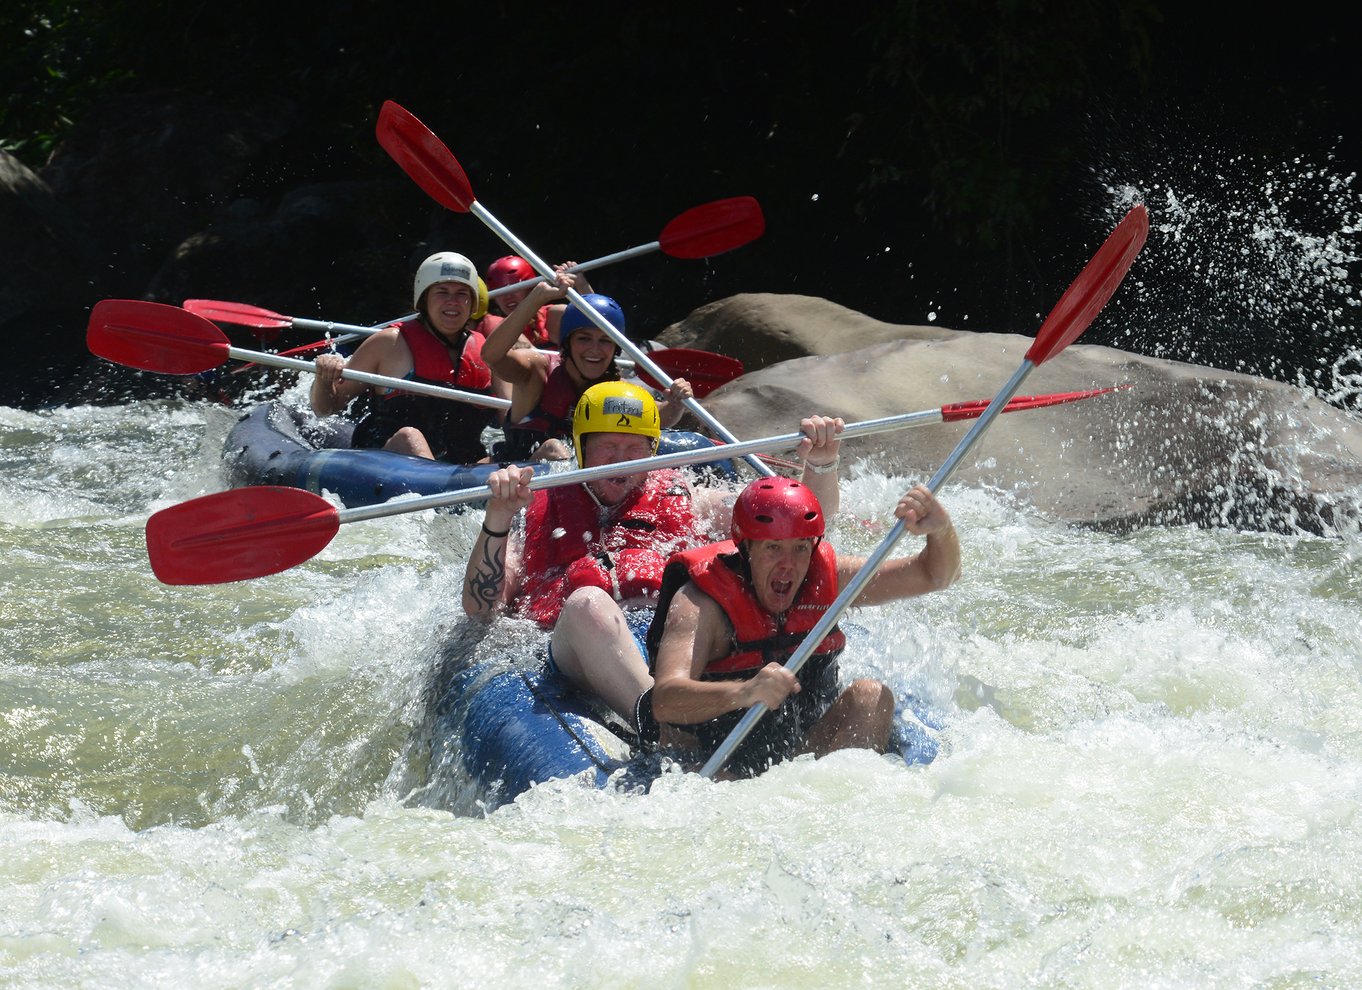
(444, 267)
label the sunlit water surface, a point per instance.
(1148, 776)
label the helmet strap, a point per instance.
(587, 485)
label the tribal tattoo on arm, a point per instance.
(484, 579)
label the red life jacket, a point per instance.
(452, 429)
(759, 637)
(432, 362)
(537, 332)
(567, 547)
(486, 325)
(552, 415)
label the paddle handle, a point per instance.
(684, 458)
(868, 570)
(383, 381)
(681, 458)
(585, 266)
(628, 346)
(329, 327)
(353, 331)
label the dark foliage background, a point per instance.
(912, 158)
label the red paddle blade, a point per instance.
(704, 231)
(704, 370)
(154, 337)
(1095, 284)
(973, 410)
(238, 534)
(424, 157)
(238, 313)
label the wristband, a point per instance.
(494, 533)
(828, 468)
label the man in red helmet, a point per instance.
(730, 614)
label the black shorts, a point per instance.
(782, 732)
(453, 434)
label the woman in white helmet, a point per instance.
(438, 346)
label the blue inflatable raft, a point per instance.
(498, 729)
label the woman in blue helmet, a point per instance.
(545, 387)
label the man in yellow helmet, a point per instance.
(588, 561)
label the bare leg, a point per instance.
(409, 440)
(594, 649)
(860, 718)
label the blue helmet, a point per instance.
(574, 319)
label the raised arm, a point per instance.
(671, 406)
(500, 351)
(553, 318)
(935, 566)
(489, 578)
(820, 452)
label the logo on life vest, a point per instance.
(623, 406)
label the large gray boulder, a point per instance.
(1184, 444)
(760, 328)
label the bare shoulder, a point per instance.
(380, 348)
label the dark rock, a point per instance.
(143, 169)
(50, 274)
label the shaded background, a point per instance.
(950, 163)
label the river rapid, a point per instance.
(1148, 767)
(1148, 747)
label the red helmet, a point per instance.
(776, 509)
(508, 271)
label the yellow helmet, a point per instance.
(480, 307)
(615, 407)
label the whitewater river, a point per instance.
(1150, 751)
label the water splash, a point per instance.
(1251, 266)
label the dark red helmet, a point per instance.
(776, 509)
(508, 271)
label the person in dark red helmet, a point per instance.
(545, 387)
(541, 326)
(730, 614)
